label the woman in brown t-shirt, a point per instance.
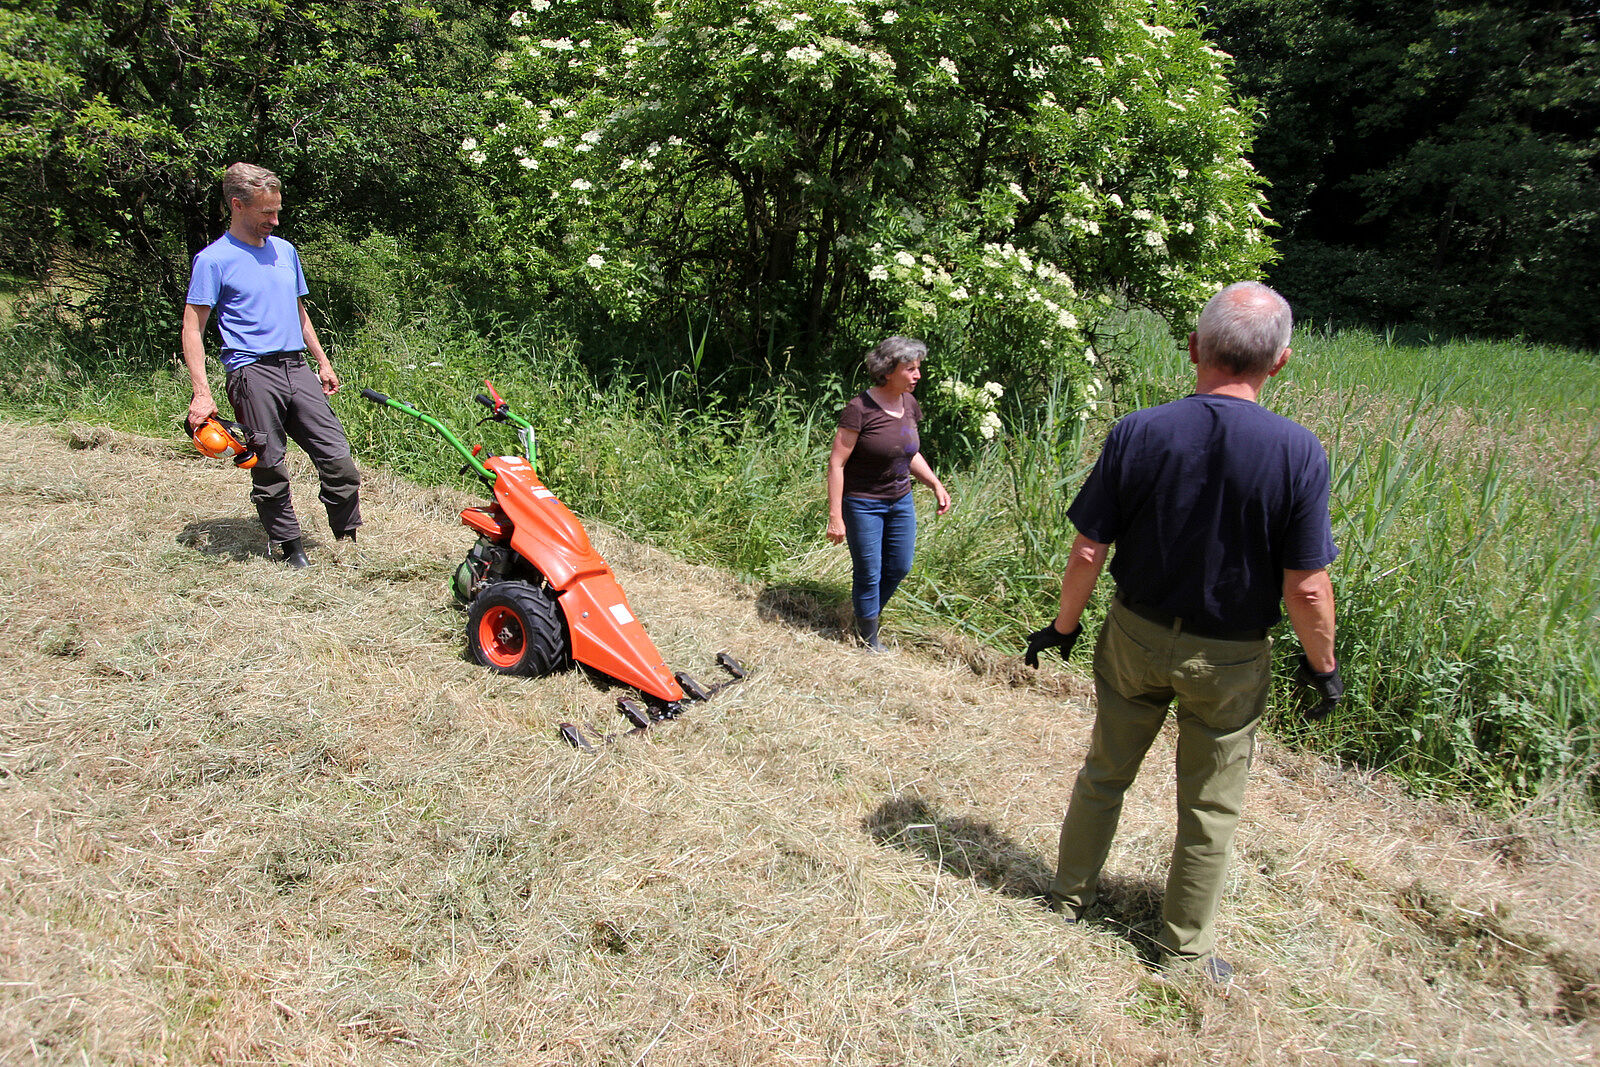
(876, 453)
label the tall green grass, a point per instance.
(1465, 504)
(1467, 509)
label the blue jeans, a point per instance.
(881, 535)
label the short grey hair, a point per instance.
(246, 181)
(1244, 328)
(892, 352)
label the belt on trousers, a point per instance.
(288, 355)
(1174, 622)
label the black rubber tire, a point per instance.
(518, 628)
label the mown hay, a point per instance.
(255, 816)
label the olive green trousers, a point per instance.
(1220, 688)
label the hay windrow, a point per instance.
(259, 816)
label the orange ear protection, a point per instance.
(217, 437)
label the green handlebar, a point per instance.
(400, 405)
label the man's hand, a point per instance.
(329, 380)
(201, 408)
(1049, 637)
(1326, 690)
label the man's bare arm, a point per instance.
(194, 358)
(1308, 598)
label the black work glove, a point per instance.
(1047, 638)
(1326, 689)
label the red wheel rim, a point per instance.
(501, 638)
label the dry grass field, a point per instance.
(258, 816)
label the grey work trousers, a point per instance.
(280, 398)
(1141, 667)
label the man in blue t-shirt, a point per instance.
(1219, 511)
(254, 282)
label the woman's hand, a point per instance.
(942, 495)
(835, 529)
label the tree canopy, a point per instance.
(1430, 163)
(816, 175)
(117, 119)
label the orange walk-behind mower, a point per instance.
(539, 596)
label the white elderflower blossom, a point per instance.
(959, 293)
(540, 5)
(989, 425)
(583, 148)
(593, 136)
(469, 144)
(905, 259)
(551, 142)
(889, 18)
(559, 44)
(879, 273)
(595, 262)
(994, 389)
(581, 185)
(805, 55)
(528, 164)
(518, 18)
(948, 65)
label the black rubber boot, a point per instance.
(294, 554)
(867, 631)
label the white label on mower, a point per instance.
(543, 494)
(621, 613)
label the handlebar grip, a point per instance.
(374, 396)
(485, 401)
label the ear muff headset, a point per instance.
(217, 437)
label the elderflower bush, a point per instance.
(970, 416)
(817, 176)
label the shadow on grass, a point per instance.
(235, 539)
(1130, 907)
(963, 847)
(813, 606)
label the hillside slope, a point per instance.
(252, 815)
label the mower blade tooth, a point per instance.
(634, 713)
(731, 665)
(574, 737)
(691, 688)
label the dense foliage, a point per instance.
(117, 119)
(809, 177)
(1433, 163)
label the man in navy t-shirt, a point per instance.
(254, 282)
(1219, 511)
